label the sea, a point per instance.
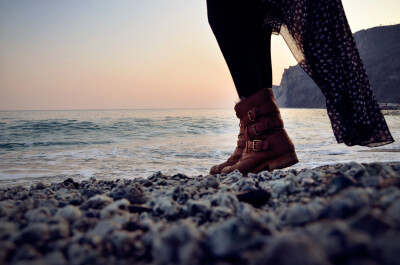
(49, 146)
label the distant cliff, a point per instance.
(379, 49)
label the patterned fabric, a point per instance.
(319, 36)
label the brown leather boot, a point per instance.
(268, 146)
(237, 154)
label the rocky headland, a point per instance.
(337, 214)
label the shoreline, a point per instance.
(333, 214)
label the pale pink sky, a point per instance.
(124, 54)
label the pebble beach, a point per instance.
(336, 214)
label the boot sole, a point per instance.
(278, 163)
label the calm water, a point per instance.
(49, 145)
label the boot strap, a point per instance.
(256, 112)
(258, 128)
(258, 145)
(241, 143)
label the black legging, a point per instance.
(246, 46)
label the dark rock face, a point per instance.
(379, 49)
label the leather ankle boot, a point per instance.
(268, 146)
(237, 154)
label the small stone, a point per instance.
(257, 198)
(244, 184)
(70, 213)
(118, 208)
(180, 244)
(40, 186)
(97, 202)
(370, 181)
(279, 188)
(55, 258)
(354, 169)
(393, 212)
(388, 248)
(166, 207)
(81, 254)
(210, 182)
(162, 182)
(7, 229)
(25, 253)
(232, 177)
(41, 214)
(35, 234)
(139, 208)
(291, 248)
(6, 208)
(340, 182)
(298, 214)
(125, 244)
(198, 207)
(105, 227)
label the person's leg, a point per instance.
(237, 26)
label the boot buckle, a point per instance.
(252, 115)
(255, 149)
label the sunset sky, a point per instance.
(129, 54)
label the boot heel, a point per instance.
(278, 163)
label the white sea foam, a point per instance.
(138, 143)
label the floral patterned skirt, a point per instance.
(318, 34)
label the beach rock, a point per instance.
(388, 196)
(225, 199)
(232, 177)
(180, 244)
(297, 214)
(370, 181)
(97, 202)
(393, 213)
(339, 241)
(66, 195)
(387, 248)
(340, 182)
(81, 254)
(346, 204)
(118, 208)
(26, 253)
(166, 207)
(7, 249)
(59, 228)
(104, 228)
(198, 207)
(257, 198)
(41, 214)
(7, 229)
(181, 194)
(291, 249)
(220, 213)
(369, 220)
(6, 208)
(134, 194)
(158, 175)
(380, 169)
(127, 244)
(228, 239)
(70, 213)
(35, 234)
(40, 186)
(210, 182)
(279, 188)
(55, 258)
(354, 169)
